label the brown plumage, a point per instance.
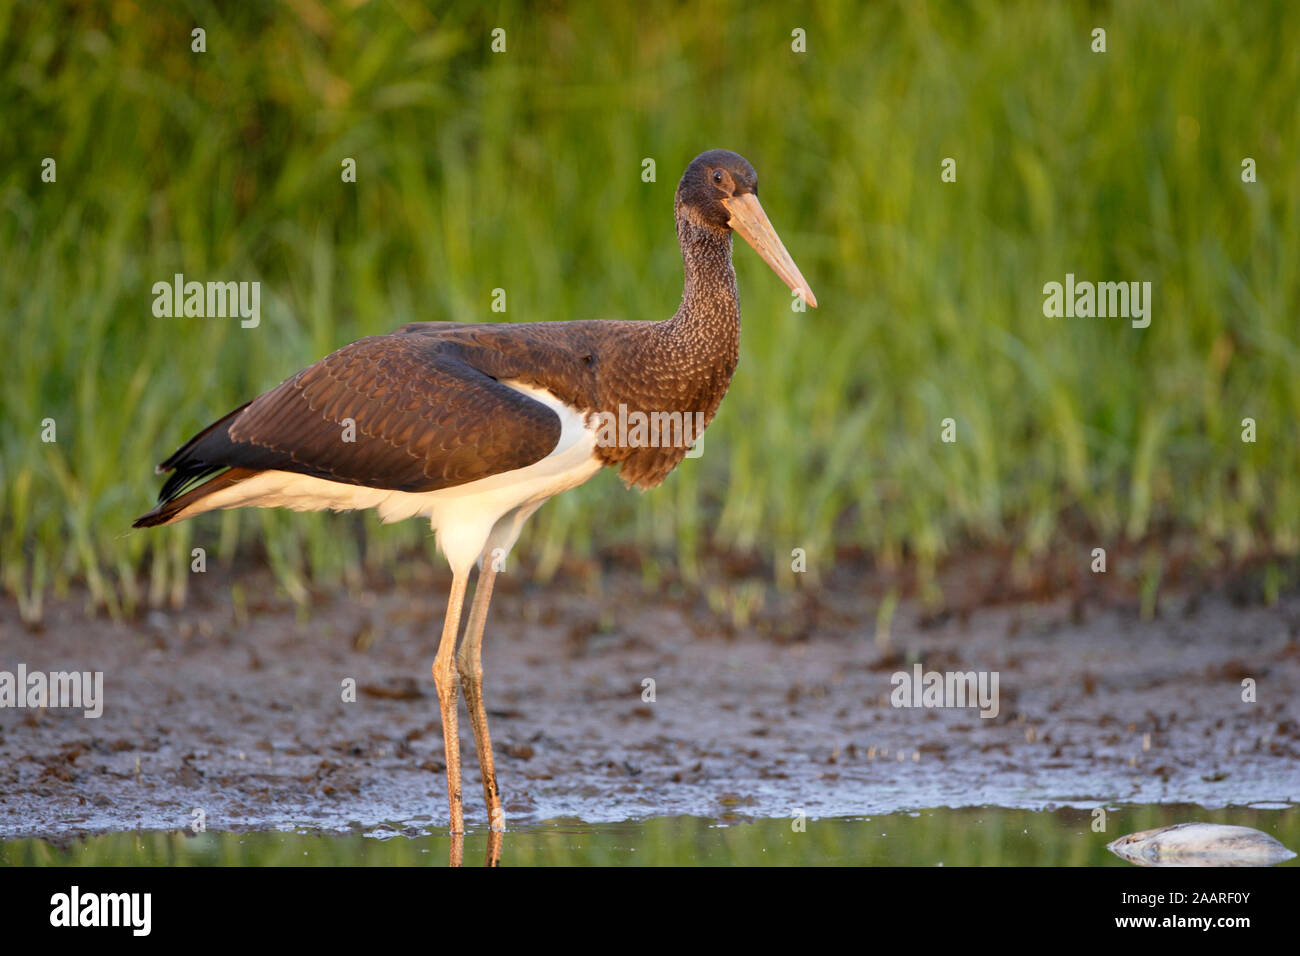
(428, 408)
(456, 413)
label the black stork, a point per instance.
(474, 426)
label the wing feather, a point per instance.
(394, 411)
(418, 417)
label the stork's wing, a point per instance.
(404, 412)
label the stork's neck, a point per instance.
(709, 316)
(683, 364)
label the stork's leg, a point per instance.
(469, 662)
(493, 855)
(445, 681)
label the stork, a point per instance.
(475, 426)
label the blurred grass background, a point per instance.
(522, 170)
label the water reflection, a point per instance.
(981, 836)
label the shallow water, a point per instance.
(973, 836)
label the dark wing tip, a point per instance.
(149, 520)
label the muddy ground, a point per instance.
(239, 711)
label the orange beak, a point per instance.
(749, 220)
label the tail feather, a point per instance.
(169, 509)
(193, 467)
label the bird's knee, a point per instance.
(443, 679)
(471, 672)
(468, 664)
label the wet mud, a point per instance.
(236, 709)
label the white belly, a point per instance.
(463, 516)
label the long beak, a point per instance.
(748, 219)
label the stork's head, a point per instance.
(720, 190)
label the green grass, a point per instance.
(522, 171)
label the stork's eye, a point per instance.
(717, 176)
